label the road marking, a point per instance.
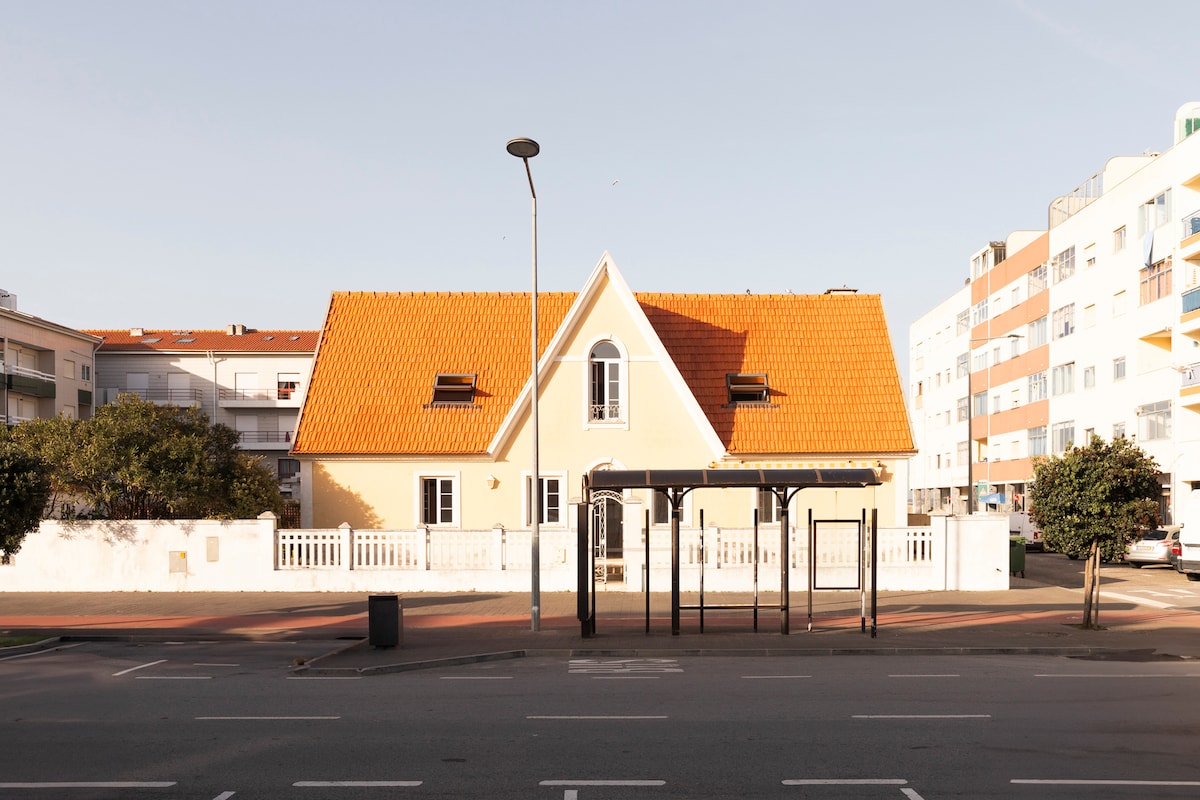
(846, 782)
(1102, 782)
(921, 716)
(603, 783)
(587, 716)
(91, 785)
(1136, 600)
(772, 677)
(369, 784)
(266, 718)
(609, 666)
(173, 677)
(204, 664)
(1123, 675)
(139, 666)
(911, 794)
(54, 649)
(324, 677)
(626, 677)
(944, 675)
(476, 677)
(224, 795)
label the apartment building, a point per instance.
(1089, 327)
(251, 380)
(46, 367)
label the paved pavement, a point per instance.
(444, 629)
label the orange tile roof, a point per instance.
(828, 359)
(834, 385)
(134, 340)
(379, 355)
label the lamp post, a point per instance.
(526, 149)
(971, 416)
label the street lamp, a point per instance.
(526, 149)
(971, 415)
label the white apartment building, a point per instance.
(1089, 327)
(251, 380)
(45, 368)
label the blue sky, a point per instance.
(194, 164)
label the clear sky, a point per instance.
(187, 165)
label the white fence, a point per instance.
(969, 553)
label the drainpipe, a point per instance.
(212, 359)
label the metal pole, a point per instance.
(535, 571)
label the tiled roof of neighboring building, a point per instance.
(234, 339)
(831, 370)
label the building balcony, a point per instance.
(260, 398)
(32, 382)
(1189, 313)
(606, 413)
(161, 397)
(265, 440)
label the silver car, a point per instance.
(1152, 547)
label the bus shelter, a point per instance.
(676, 484)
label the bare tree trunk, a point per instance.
(1089, 578)
(1096, 585)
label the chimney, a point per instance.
(235, 330)
(135, 332)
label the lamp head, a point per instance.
(522, 147)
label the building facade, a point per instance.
(251, 380)
(1091, 327)
(46, 367)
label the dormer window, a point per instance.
(745, 387)
(454, 389)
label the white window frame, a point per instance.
(454, 479)
(763, 499)
(622, 402)
(561, 506)
(685, 510)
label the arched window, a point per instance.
(607, 396)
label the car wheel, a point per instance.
(1135, 564)
(1193, 576)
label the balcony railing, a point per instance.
(261, 394)
(249, 437)
(13, 369)
(1191, 300)
(606, 412)
(1190, 375)
(1191, 225)
(175, 397)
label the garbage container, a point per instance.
(384, 624)
(1016, 555)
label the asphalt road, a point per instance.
(103, 720)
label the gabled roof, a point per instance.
(235, 339)
(834, 385)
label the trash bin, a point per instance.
(1016, 555)
(383, 620)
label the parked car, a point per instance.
(1152, 547)
(1176, 556)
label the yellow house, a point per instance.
(418, 409)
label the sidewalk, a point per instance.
(464, 627)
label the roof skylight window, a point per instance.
(745, 387)
(454, 389)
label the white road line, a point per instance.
(586, 716)
(54, 649)
(935, 675)
(265, 718)
(139, 666)
(921, 716)
(846, 782)
(911, 794)
(1136, 600)
(1035, 781)
(224, 795)
(324, 677)
(772, 677)
(204, 664)
(603, 783)
(173, 677)
(369, 784)
(626, 677)
(90, 785)
(476, 677)
(1126, 675)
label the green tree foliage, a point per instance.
(1091, 500)
(24, 491)
(138, 460)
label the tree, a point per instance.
(1090, 501)
(24, 490)
(138, 460)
